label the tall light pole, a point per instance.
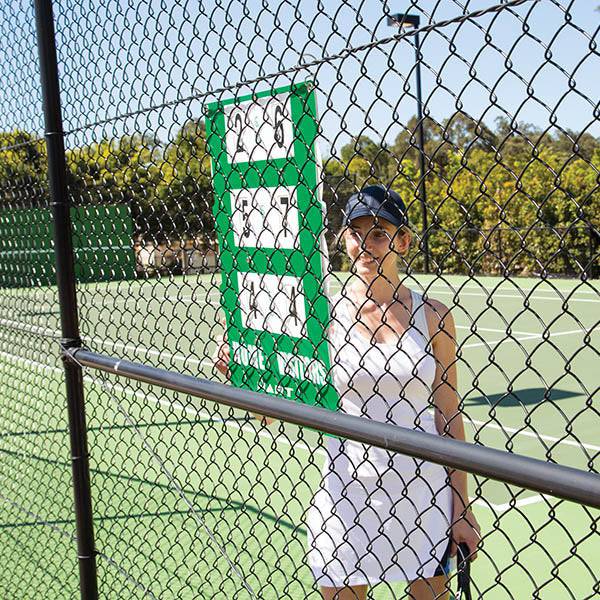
(407, 22)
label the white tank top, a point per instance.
(388, 382)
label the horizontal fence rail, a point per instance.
(547, 478)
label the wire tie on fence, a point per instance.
(70, 342)
(80, 456)
(66, 345)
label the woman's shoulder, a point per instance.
(438, 315)
(430, 303)
(436, 307)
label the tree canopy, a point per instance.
(508, 199)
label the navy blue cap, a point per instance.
(379, 202)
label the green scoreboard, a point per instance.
(270, 222)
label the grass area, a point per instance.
(240, 491)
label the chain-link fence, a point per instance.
(387, 210)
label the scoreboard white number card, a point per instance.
(265, 217)
(270, 221)
(259, 130)
(272, 303)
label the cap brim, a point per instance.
(365, 211)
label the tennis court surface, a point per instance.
(231, 519)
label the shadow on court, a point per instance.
(525, 397)
(117, 517)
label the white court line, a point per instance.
(36, 329)
(215, 295)
(214, 277)
(527, 335)
(185, 298)
(53, 333)
(444, 291)
(440, 286)
(538, 436)
(508, 505)
(213, 290)
(477, 328)
(491, 294)
(494, 296)
(211, 299)
(147, 351)
(532, 336)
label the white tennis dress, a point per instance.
(379, 516)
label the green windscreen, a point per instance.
(102, 238)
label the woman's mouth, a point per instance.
(367, 260)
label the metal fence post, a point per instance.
(65, 275)
(408, 22)
(422, 167)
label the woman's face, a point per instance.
(373, 246)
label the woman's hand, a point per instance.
(466, 529)
(221, 356)
(264, 420)
(221, 362)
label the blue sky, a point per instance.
(120, 56)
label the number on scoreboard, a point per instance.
(272, 303)
(265, 217)
(259, 130)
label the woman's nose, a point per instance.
(367, 242)
(367, 245)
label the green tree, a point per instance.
(113, 171)
(124, 170)
(23, 179)
(516, 199)
(570, 143)
(365, 161)
(183, 201)
(406, 144)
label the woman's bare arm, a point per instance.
(448, 418)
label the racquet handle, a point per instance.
(464, 572)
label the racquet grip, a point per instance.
(464, 572)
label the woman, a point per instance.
(380, 516)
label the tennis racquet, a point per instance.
(464, 573)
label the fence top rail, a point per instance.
(548, 478)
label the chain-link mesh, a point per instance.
(216, 154)
(37, 547)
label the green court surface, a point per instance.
(193, 500)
